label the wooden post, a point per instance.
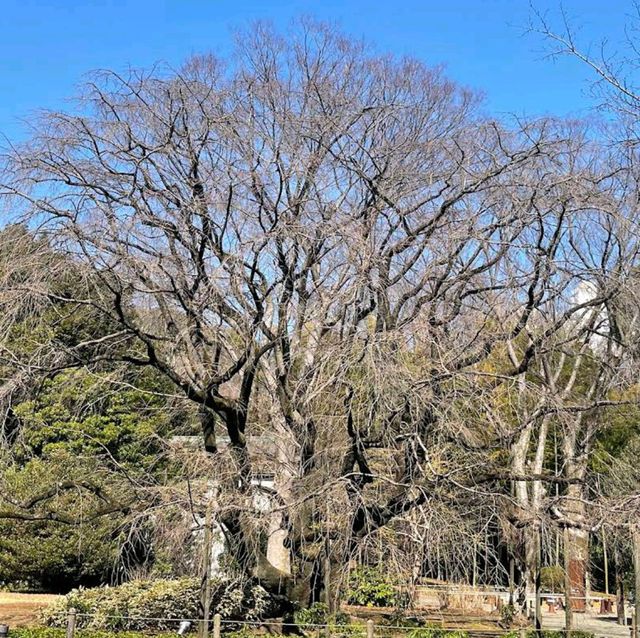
(474, 577)
(512, 577)
(328, 594)
(327, 583)
(369, 628)
(537, 576)
(205, 583)
(621, 612)
(606, 561)
(216, 626)
(636, 567)
(568, 611)
(71, 623)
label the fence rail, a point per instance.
(218, 624)
(214, 627)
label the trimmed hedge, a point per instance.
(550, 633)
(438, 632)
(157, 605)
(54, 632)
(341, 631)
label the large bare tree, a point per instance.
(327, 248)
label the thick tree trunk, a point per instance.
(568, 593)
(537, 564)
(576, 535)
(521, 493)
(578, 556)
(529, 496)
(236, 521)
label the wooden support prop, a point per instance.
(605, 556)
(369, 628)
(538, 584)
(205, 583)
(636, 568)
(71, 623)
(568, 611)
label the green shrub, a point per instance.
(552, 578)
(437, 632)
(243, 632)
(339, 623)
(507, 614)
(53, 632)
(157, 605)
(348, 631)
(370, 588)
(316, 614)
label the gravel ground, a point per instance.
(598, 625)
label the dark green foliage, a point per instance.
(120, 418)
(45, 554)
(54, 557)
(76, 437)
(81, 427)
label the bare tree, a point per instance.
(324, 247)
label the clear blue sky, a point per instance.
(47, 45)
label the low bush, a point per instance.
(318, 614)
(552, 578)
(157, 605)
(549, 633)
(371, 588)
(507, 615)
(54, 632)
(437, 632)
(243, 632)
(339, 623)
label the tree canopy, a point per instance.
(427, 313)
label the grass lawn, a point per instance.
(20, 610)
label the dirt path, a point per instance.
(19, 610)
(598, 625)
